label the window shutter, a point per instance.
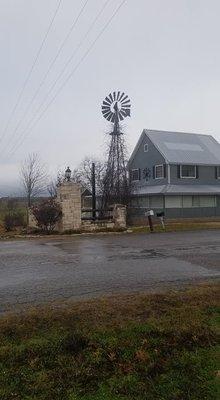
(197, 172)
(178, 171)
(139, 174)
(154, 171)
(216, 172)
(164, 170)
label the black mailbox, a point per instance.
(160, 214)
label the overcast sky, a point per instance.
(164, 54)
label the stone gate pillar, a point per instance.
(69, 197)
(120, 215)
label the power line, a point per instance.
(69, 60)
(17, 144)
(49, 69)
(31, 70)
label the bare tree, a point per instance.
(54, 183)
(33, 176)
(83, 173)
(52, 188)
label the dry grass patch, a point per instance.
(153, 347)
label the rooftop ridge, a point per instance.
(179, 132)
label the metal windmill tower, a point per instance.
(115, 108)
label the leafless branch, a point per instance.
(34, 177)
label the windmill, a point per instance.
(115, 108)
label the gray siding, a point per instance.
(139, 205)
(138, 217)
(148, 159)
(206, 176)
(199, 212)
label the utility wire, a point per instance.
(69, 60)
(31, 70)
(48, 70)
(28, 130)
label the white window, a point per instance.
(146, 147)
(187, 171)
(159, 171)
(207, 201)
(143, 201)
(199, 201)
(196, 201)
(135, 175)
(134, 202)
(156, 202)
(173, 201)
(187, 201)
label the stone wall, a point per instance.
(93, 226)
(117, 221)
(69, 198)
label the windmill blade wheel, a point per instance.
(116, 106)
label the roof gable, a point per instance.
(183, 148)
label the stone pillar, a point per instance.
(69, 197)
(32, 222)
(119, 215)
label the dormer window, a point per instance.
(145, 147)
(188, 171)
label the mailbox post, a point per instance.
(149, 215)
(161, 216)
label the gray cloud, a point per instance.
(163, 54)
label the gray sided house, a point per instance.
(175, 172)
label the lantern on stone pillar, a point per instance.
(68, 174)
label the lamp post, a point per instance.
(68, 174)
(93, 192)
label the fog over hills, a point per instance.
(10, 190)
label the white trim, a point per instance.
(133, 154)
(154, 144)
(187, 177)
(135, 180)
(168, 173)
(155, 167)
(146, 146)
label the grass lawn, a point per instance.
(174, 226)
(145, 346)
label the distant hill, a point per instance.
(9, 190)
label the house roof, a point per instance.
(177, 189)
(85, 191)
(183, 148)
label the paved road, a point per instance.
(38, 270)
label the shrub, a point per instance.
(47, 214)
(13, 220)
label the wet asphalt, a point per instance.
(35, 271)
